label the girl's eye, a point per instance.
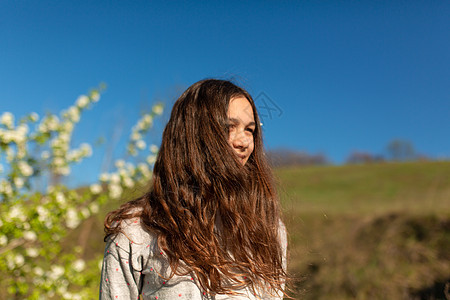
(251, 130)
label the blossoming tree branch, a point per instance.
(33, 223)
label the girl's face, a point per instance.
(241, 127)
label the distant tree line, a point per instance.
(286, 157)
(396, 150)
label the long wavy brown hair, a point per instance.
(213, 216)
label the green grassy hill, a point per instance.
(378, 231)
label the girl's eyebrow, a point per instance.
(236, 121)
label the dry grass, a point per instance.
(369, 231)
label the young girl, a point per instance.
(209, 227)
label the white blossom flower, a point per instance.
(18, 136)
(43, 127)
(85, 212)
(10, 153)
(21, 150)
(136, 136)
(10, 262)
(143, 168)
(128, 182)
(115, 191)
(72, 220)
(19, 182)
(95, 188)
(158, 109)
(19, 260)
(72, 296)
(79, 265)
(48, 223)
(82, 101)
(64, 137)
(67, 127)
(7, 119)
(52, 122)
(5, 187)
(131, 150)
(151, 159)
(55, 143)
(148, 119)
(154, 148)
(38, 271)
(9, 136)
(76, 296)
(58, 161)
(42, 212)
(104, 177)
(2, 135)
(32, 252)
(86, 149)
(3, 240)
(45, 154)
(123, 173)
(95, 96)
(26, 226)
(16, 212)
(56, 272)
(94, 207)
(34, 117)
(115, 178)
(140, 144)
(61, 199)
(74, 114)
(30, 236)
(22, 129)
(120, 163)
(72, 156)
(139, 126)
(62, 290)
(63, 170)
(130, 168)
(25, 168)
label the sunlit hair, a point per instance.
(213, 216)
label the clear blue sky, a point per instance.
(346, 75)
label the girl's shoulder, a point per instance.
(134, 237)
(283, 236)
(282, 233)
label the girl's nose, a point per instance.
(240, 140)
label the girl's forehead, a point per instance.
(240, 108)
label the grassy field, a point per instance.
(379, 231)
